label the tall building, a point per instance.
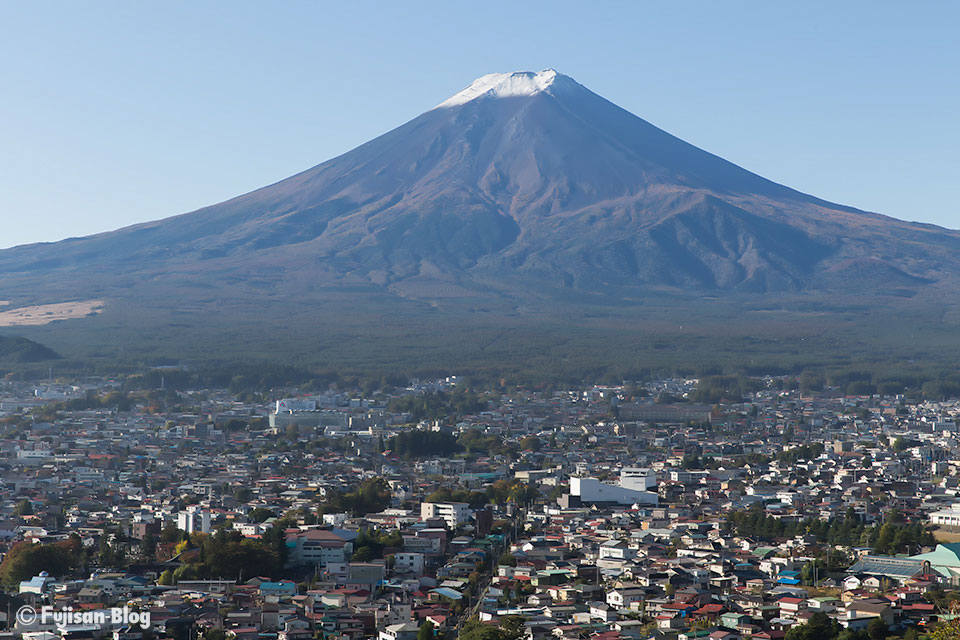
(194, 520)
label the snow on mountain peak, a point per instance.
(509, 85)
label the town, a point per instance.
(648, 509)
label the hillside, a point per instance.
(20, 350)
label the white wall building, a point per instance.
(949, 517)
(685, 476)
(453, 513)
(407, 562)
(623, 597)
(400, 631)
(591, 490)
(194, 520)
(319, 547)
(289, 405)
(638, 478)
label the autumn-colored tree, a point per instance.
(947, 630)
(26, 560)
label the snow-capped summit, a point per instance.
(510, 85)
(523, 191)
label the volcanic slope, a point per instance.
(522, 194)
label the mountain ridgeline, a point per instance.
(523, 196)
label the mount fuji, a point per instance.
(523, 195)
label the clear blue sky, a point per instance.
(119, 112)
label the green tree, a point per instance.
(275, 539)
(148, 546)
(419, 443)
(184, 572)
(433, 406)
(475, 499)
(532, 443)
(513, 627)
(170, 534)
(371, 496)
(885, 538)
(510, 628)
(260, 514)
(877, 629)
(518, 491)
(243, 557)
(426, 631)
(476, 630)
(363, 554)
(819, 627)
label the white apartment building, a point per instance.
(407, 562)
(194, 520)
(452, 513)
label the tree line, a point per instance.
(435, 405)
(420, 443)
(891, 537)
